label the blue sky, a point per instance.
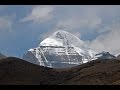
(24, 26)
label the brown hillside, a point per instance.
(15, 71)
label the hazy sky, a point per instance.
(24, 26)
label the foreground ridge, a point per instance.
(15, 71)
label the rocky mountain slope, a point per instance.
(105, 55)
(59, 50)
(15, 71)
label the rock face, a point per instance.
(61, 49)
(105, 55)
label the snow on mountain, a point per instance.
(62, 38)
(61, 49)
(105, 55)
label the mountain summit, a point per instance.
(61, 49)
(62, 38)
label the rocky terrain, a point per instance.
(15, 71)
(60, 50)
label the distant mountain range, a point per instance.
(63, 49)
(15, 71)
(105, 55)
(61, 59)
(59, 50)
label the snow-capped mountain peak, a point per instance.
(62, 38)
(61, 49)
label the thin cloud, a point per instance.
(91, 21)
(39, 14)
(109, 41)
(6, 23)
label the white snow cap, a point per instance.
(71, 46)
(62, 38)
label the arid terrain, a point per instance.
(15, 71)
